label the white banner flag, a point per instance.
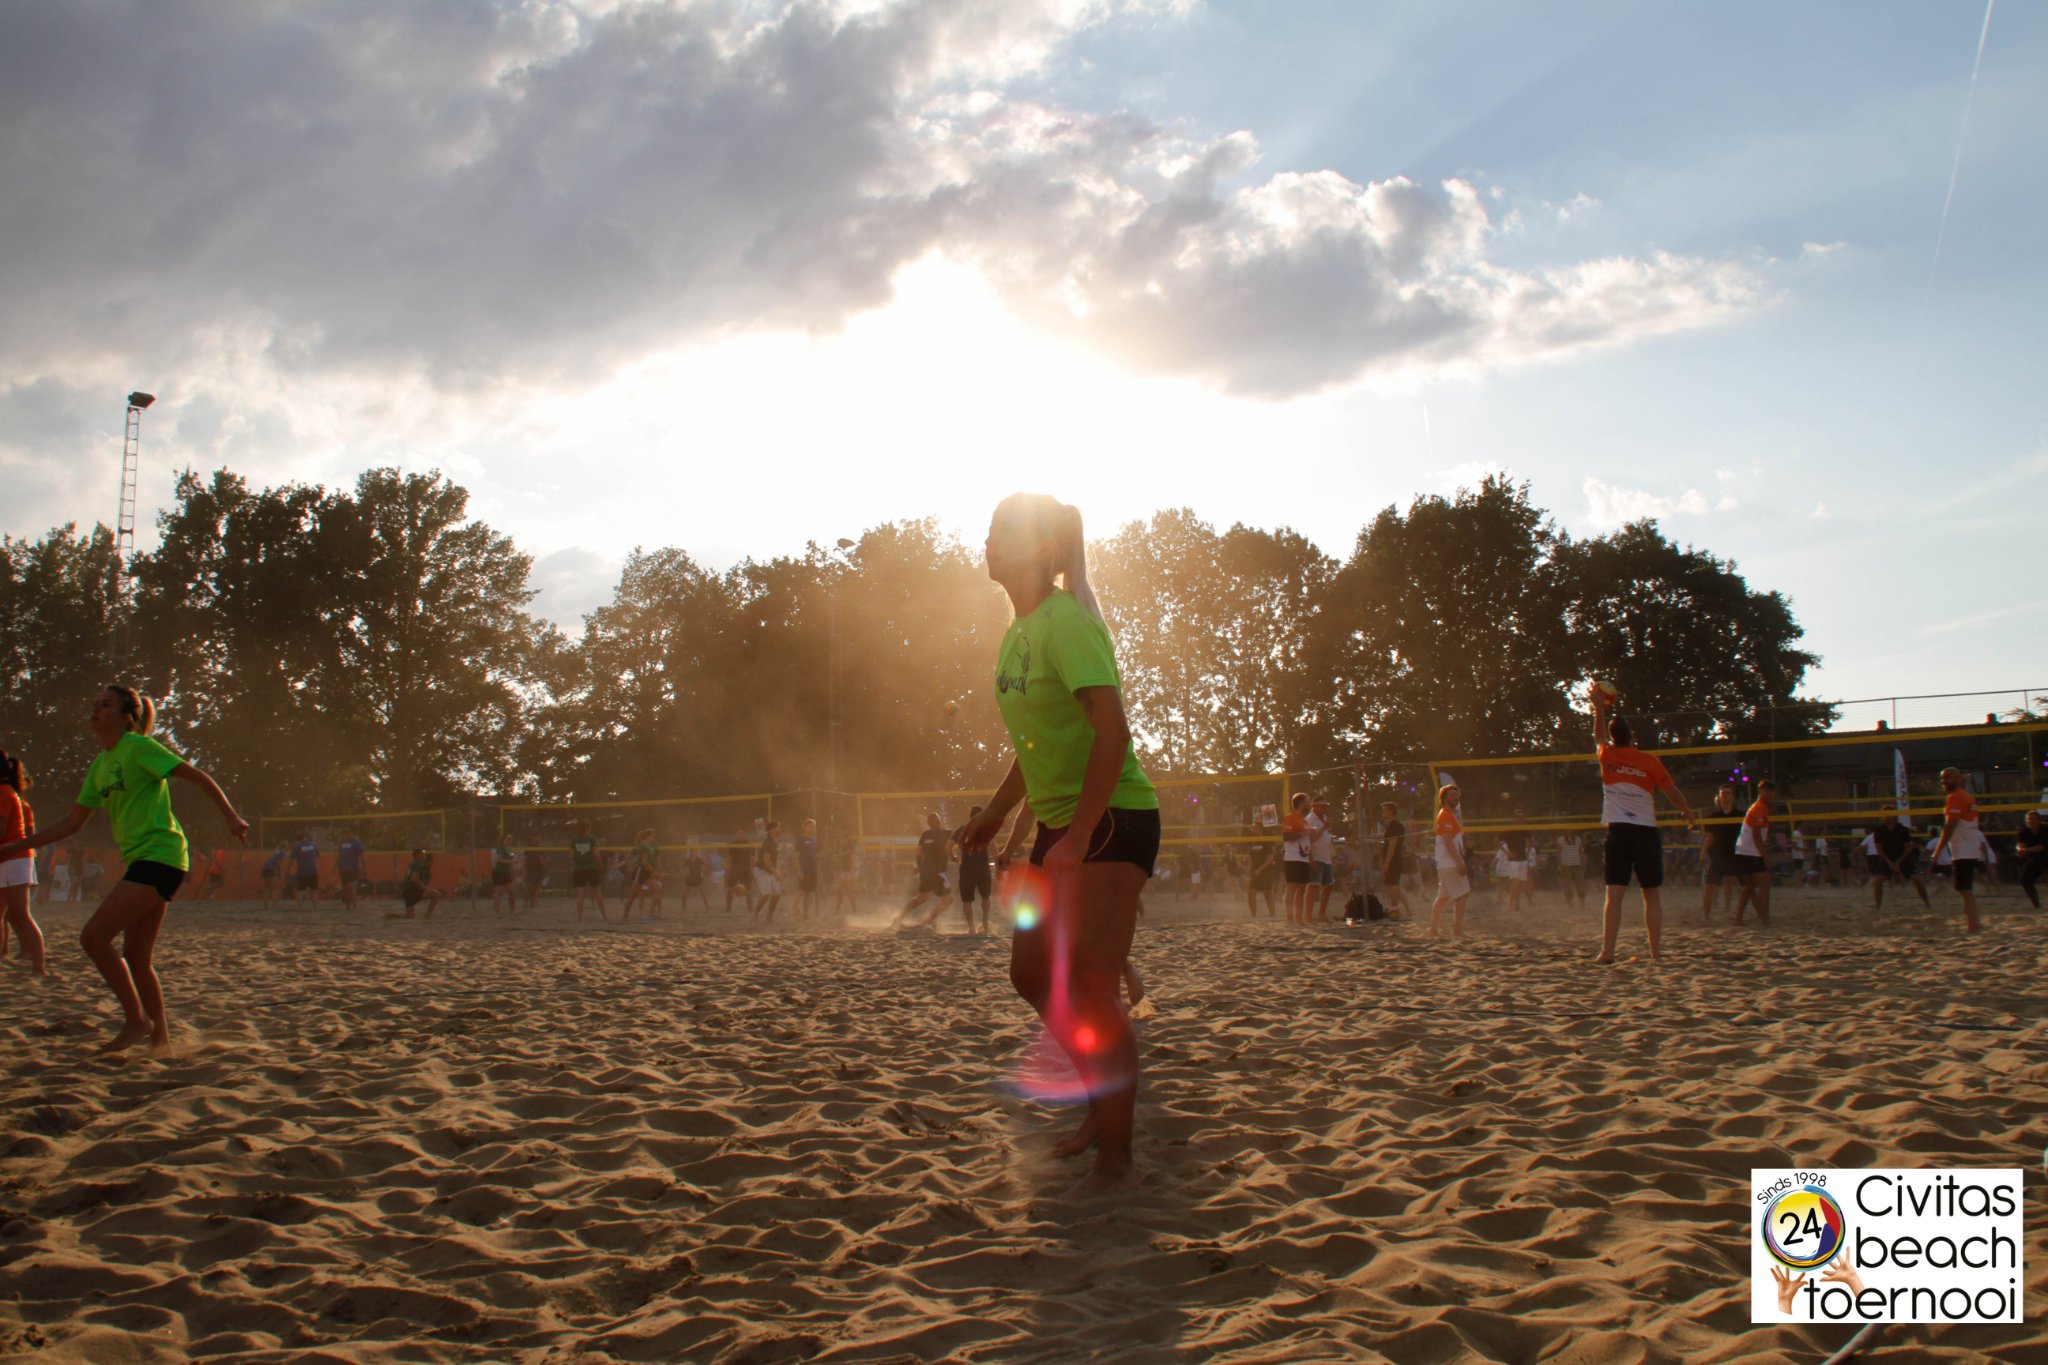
(1899, 780)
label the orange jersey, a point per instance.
(1965, 841)
(1450, 835)
(1629, 781)
(1756, 829)
(17, 820)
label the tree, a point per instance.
(57, 604)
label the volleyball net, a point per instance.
(382, 832)
(702, 822)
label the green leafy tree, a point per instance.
(57, 605)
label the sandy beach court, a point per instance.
(482, 1139)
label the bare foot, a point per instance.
(1134, 984)
(1605, 959)
(128, 1037)
(1101, 1184)
(1080, 1140)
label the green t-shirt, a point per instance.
(128, 780)
(420, 871)
(643, 855)
(585, 851)
(501, 860)
(1045, 658)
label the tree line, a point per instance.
(372, 647)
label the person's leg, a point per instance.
(1708, 890)
(1458, 915)
(21, 917)
(1653, 921)
(138, 949)
(125, 907)
(1101, 918)
(1760, 894)
(1610, 922)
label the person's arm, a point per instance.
(1602, 736)
(1948, 828)
(237, 826)
(1020, 831)
(977, 832)
(49, 834)
(1692, 821)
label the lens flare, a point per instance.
(1084, 1038)
(1027, 917)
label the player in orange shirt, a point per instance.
(1752, 856)
(1964, 843)
(1630, 780)
(1453, 883)
(18, 874)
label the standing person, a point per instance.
(767, 885)
(1322, 860)
(807, 901)
(1453, 883)
(977, 882)
(695, 871)
(18, 870)
(643, 875)
(845, 875)
(1521, 862)
(417, 885)
(586, 870)
(504, 868)
(1630, 780)
(1393, 860)
(129, 778)
(1717, 853)
(306, 867)
(2031, 846)
(1893, 854)
(931, 872)
(1752, 855)
(1963, 842)
(738, 879)
(1571, 866)
(1296, 869)
(1265, 871)
(1098, 829)
(348, 865)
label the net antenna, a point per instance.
(124, 525)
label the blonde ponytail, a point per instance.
(1059, 524)
(136, 708)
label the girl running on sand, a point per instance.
(1060, 696)
(18, 873)
(129, 779)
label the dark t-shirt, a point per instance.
(1394, 845)
(807, 855)
(765, 859)
(1518, 843)
(1892, 842)
(931, 850)
(349, 852)
(1718, 840)
(307, 855)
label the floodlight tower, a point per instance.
(124, 519)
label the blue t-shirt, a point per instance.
(350, 852)
(308, 855)
(273, 863)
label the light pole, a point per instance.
(832, 679)
(124, 523)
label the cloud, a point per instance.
(572, 582)
(1608, 506)
(419, 201)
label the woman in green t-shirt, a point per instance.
(1097, 833)
(586, 873)
(129, 779)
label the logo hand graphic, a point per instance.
(1844, 1270)
(1788, 1285)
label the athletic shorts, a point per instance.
(501, 879)
(1320, 874)
(591, 877)
(1720, 865)
(1263, 881)
(1295, 873)
(693, 879)
(1121, 836)
(1878, 866)
(807, 881)
(1964, 870)
(1749, 865)
(1635, 851)
(931, 883)
(307, 883)
(977, 882)
(350, 875)
(766, 883)
(1452, 881)
(161, 878)
(412, 895)
(18, 872)
(641, 876)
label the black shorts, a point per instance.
(1121, 836)
(591, 877)
(412, 895)
(1720, 865)
(1964, 870)
(1294, 873)
(641, 876)
(977, 882)
(1635, 851)
(1878, 866)
(693, 879)
(1263, 880)
(501, 878)
(308, 881)
(1749, 865)
(807, 881)
(931, 883)
(350, 875)
(161, 878)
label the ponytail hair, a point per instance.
(1059, 524)
(12, 774)
(136, 708)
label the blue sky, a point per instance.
(738, 276)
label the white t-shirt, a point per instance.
(1321, 846)
(1294, 847)
(1570, 853)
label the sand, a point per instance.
(528, 1140)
